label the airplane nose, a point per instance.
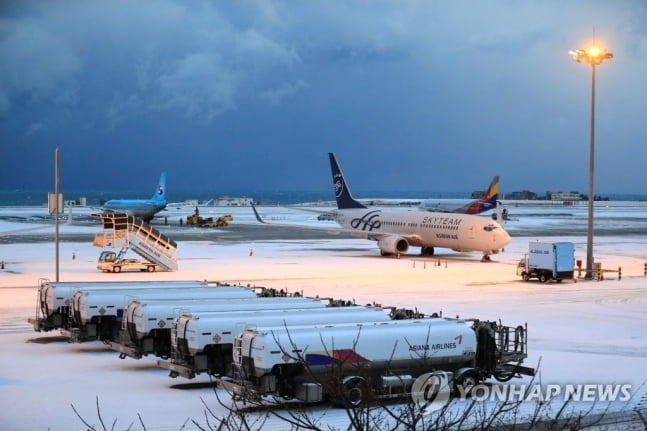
(503, 238)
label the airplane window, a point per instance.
(488, 228)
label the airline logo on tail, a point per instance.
(338, 183)
(160, 193)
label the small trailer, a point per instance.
(354, 364)
(548, 261)
(203, 343)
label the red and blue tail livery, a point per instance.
(486, 203)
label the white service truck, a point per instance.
(548, 261)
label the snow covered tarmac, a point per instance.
(589, 332)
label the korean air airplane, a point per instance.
(395, 231)
(142, 208)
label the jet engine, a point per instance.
(393, 245)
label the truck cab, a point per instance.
(108, 262)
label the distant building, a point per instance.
(223, 201)
(193, 202)
(523, 195)
(226, 201)
(82, 201)
(561, 196)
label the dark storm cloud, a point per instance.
(412, 95)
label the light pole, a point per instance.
(594, 56)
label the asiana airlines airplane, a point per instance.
(395, 231)
(478, 206)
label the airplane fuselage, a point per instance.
(142, 208)
(424, 229)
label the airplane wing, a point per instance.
(333, 230)
(25, 230)
(312, 210)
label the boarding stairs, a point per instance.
(128, 232)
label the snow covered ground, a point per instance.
(587, 332)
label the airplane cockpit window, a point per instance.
(489, 228)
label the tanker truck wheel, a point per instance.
(467, 381)
(542, 278)
(354, 392)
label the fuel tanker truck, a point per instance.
(147, 323)
(203, 342)
(97, 314)
(353, 364)
(55, 298)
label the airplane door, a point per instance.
(470, 232)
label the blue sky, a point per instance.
(428, 96)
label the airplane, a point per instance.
(486, 203)
(395, 231)
(142, 208)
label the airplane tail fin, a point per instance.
(487, 202)
(342, 193)
(160, 190)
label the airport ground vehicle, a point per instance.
(54, 306)
(196, 220)
(548, 261)
(147, 324)
(203, 343)
(97, 314)
(123, 232)
(108, 262)
(353, 364)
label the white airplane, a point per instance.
(395, 231)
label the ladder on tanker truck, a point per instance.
(126, 232)
(502, 349)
